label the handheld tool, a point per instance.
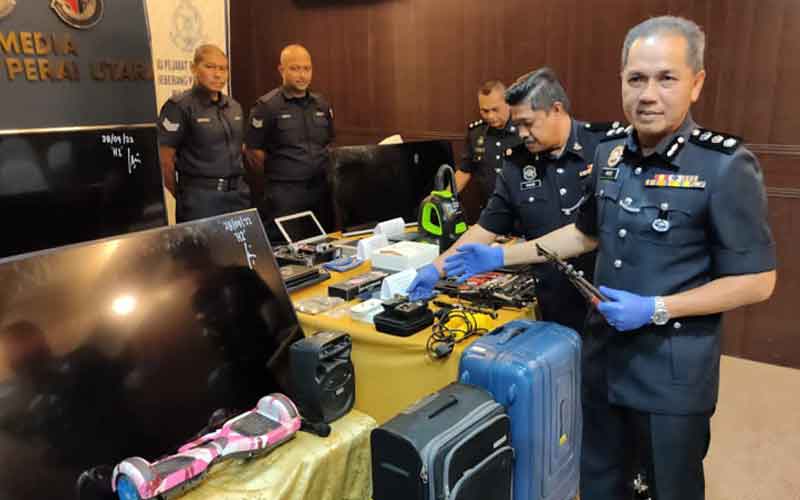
(589, 291)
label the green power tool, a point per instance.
(440, 213)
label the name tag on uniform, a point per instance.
(285, 116)
(204, 120)
(676, 181)
(609, 174)
(237, 117)
(479, 149)
(524, 186)
(320, 113)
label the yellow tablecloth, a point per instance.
(306, 468)
(391, 372)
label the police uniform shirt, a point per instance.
(692, 212)
(207, 135)
(538, 193)
(485, 150)
(295, 133)
(543, 191)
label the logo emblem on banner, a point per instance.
(81, 14)
(6, 6)
(187, 25)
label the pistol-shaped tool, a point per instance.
(589, 291)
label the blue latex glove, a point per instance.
(624, 310)
(422, 286)
(471, 259)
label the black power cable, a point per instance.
(443, 339)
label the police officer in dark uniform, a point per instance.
(288, 141)
(538, 190)
(487, 140)
(679, 214)
(200, 133)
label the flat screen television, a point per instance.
(125, 346)
(63, 187)
(371, 184)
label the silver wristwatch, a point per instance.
(660, 314)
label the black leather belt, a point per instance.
(312, 182)
(211, 183)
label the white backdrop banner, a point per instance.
(177, 27)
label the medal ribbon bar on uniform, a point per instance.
(676, 181)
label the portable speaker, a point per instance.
(323, 376)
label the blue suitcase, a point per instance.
(533, 369)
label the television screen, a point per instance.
(372, 184)
(58, 187)
(125, 346)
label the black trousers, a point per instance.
(619, 443)
(198, 203)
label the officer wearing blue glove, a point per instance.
(678, 216)
(626, 311)
(421, 288)
(540, 186)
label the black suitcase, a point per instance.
(452, 445)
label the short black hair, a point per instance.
(204, 49)
(490, 86)
(541, 88)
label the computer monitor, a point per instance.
(373, 183)
(63, 187)
(125, 346)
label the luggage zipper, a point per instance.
(429, 450)
(470, 472)
(468, 437)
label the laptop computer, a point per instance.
(302, 228)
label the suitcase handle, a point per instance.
(450, 401)
(508, 334)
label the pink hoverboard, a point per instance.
(271, 423)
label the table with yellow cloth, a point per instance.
(306, 468)
(391, 372)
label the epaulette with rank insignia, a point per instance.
(476, 123)
(601, 126)
(617, 133)
(724, 143)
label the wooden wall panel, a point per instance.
(413, 66)
(768, 331)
